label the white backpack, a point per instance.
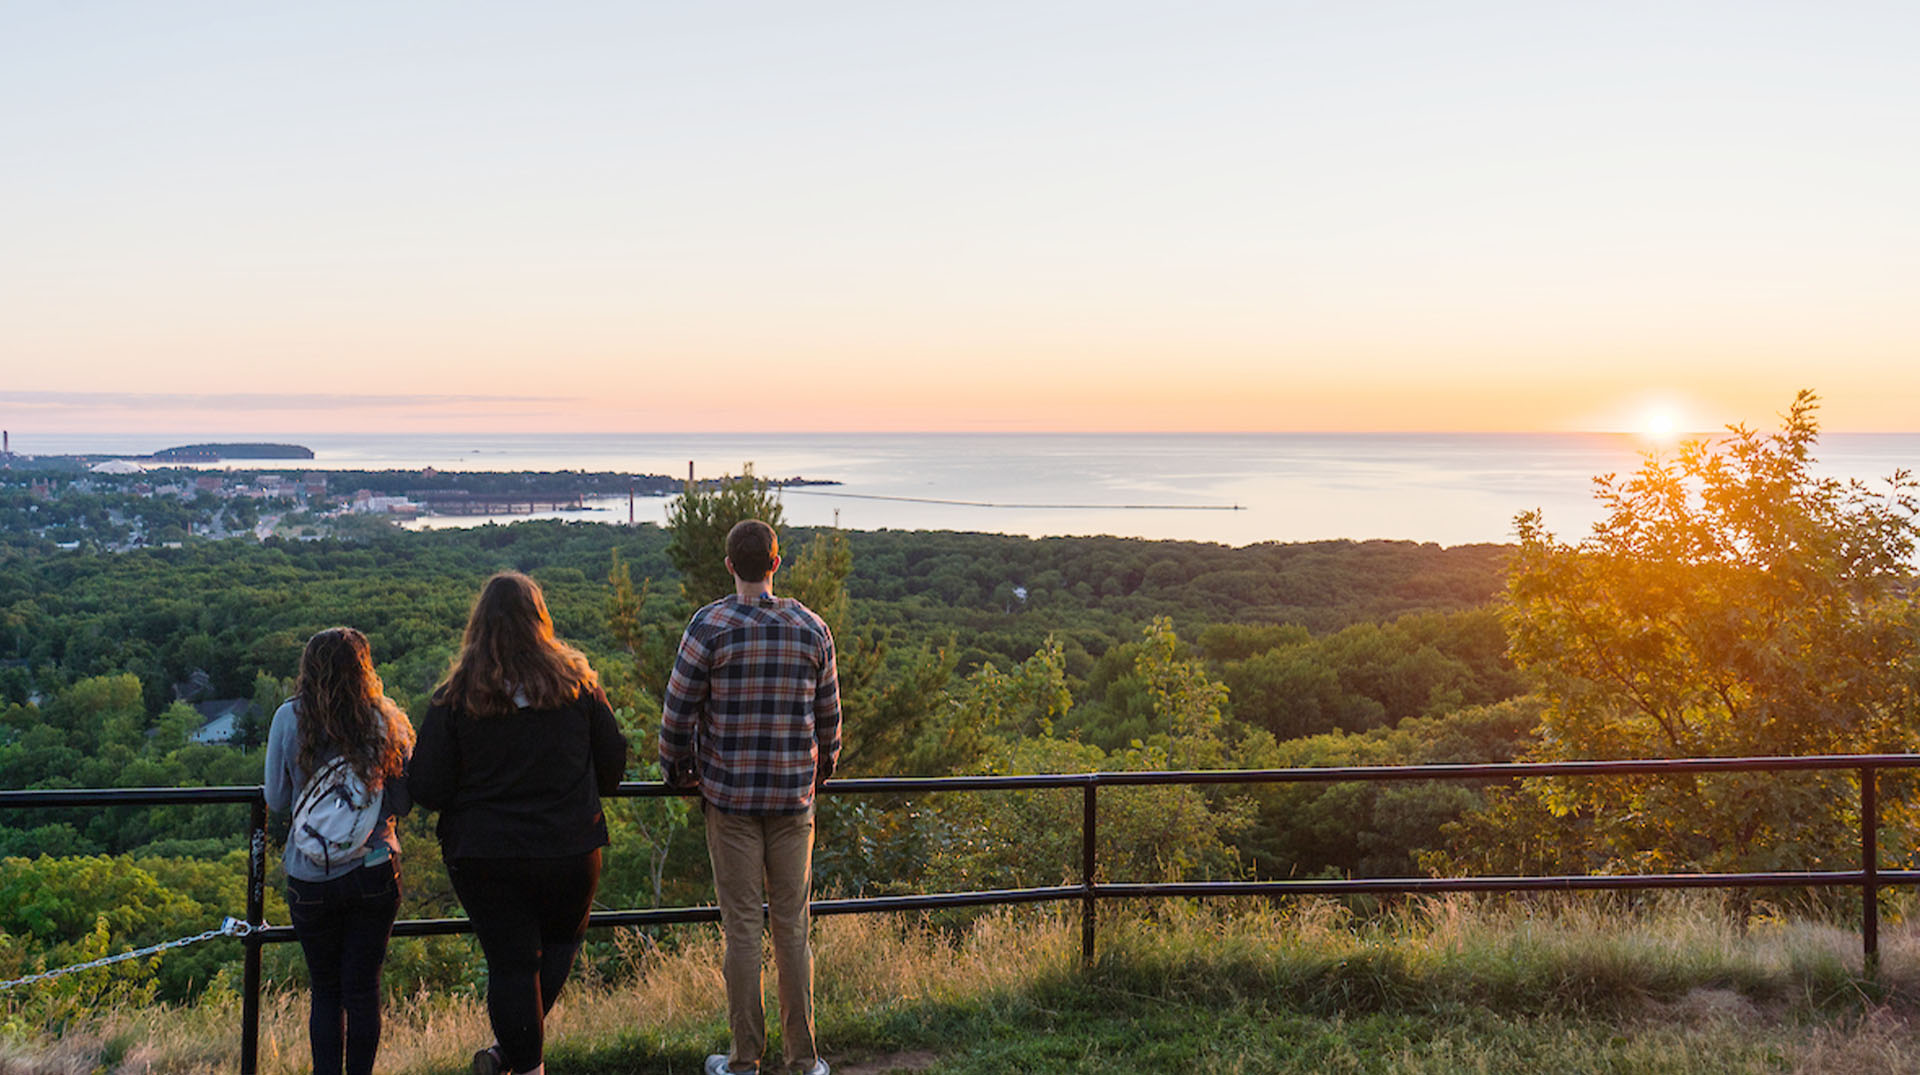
(334, 816)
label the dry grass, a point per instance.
(1678, 974)
(865, 963)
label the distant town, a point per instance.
(118, 502)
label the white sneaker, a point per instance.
(819, 1068)
(717, 1065)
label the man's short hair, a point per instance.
(752, 545)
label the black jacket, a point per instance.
(525, 784)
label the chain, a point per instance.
(230, 927)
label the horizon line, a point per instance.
(279, 436)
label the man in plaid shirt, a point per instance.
(752, 716)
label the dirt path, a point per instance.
(888, 1064)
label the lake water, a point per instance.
(1231, 488)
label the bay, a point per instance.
(1230, 488)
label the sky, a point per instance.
(902, 215)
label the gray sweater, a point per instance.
(285, 778)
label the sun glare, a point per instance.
(1660, 422)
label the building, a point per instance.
(366, 503)
(193, 686)
(223, 720)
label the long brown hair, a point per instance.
(510, 650)
(344, 709)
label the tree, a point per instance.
(1732, 602)
(700, 518)
(1009, 839)
(886, 703)
(651, 643)
(991, 706)
(654, 822)
(268, 693)
(1372, 829)
(1186, 700)
(817, 577)
(171, 728)
(1293, 692)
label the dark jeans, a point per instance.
(343, 925)
(530, 915)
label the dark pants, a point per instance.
(530, 915)
(343, 925)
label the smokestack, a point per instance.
(6, 442)
(689, 472)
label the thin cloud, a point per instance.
(275, 401)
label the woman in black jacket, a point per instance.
(515, 751)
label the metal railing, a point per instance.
(1869, 878)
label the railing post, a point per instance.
(256, 917)
(1870, 866)
(1089, 820)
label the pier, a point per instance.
(462, 502)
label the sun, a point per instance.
(1661, 423)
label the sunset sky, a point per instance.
(1040, 215)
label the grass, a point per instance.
(1440, 985)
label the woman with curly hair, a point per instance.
(343, 896)
(515, 751)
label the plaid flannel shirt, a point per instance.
(754, 702)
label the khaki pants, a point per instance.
(772, 855)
